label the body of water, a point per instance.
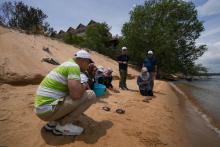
(206, 96)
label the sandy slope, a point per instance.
(21, 54)
(158, 123)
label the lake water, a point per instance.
(206, 94)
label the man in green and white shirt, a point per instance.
(61, 97)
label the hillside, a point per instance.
(21, 55)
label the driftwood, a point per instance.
(50, 60)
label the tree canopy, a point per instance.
(169, 28)
(22, 16)
(97, 37)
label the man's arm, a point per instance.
(76, 89)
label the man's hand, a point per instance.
(124, 62)
(76, 89)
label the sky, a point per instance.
(65, 13)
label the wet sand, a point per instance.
(200, 134)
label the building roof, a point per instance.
(61, 32)
(80, 26)
(92, 22)
(71, 30)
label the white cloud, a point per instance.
(211, 7)
(211, 31)
(211, 58)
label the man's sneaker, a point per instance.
(68, 129)
(50, 126)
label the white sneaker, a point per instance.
(68, 129)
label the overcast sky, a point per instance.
(65, 13)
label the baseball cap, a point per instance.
(150, 52)
(84, 55)
(124, 48)
(144, 69)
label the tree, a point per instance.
(198, 69)
(19, 15)
(169, 28)
(6, 10)
(97, 36)
(73, 39)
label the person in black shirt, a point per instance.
(123, 68)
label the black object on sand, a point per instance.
(120, 111)
(106, 108)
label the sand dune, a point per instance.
(159, 123)
(21, 55)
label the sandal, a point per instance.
(120, 111)
(106, 108)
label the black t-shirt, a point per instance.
(123, 58)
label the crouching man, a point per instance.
(61, 98)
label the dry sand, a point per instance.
(162, 122)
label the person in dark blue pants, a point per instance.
(143, 82)
(150, 64)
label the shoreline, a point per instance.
(197, 116)
(197, 108)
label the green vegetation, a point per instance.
(96, 37)
(169, 28)
(73, 39)
(21, 16)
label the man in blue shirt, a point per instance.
(150, 64)
(123, 68)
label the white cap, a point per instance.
(150, 52)
(144, 69)
(100, 68)
(124, 48)
(83, 54)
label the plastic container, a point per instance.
(99, 89)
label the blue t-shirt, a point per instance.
(123, 58)
(150, 63)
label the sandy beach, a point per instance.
(168, 120)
